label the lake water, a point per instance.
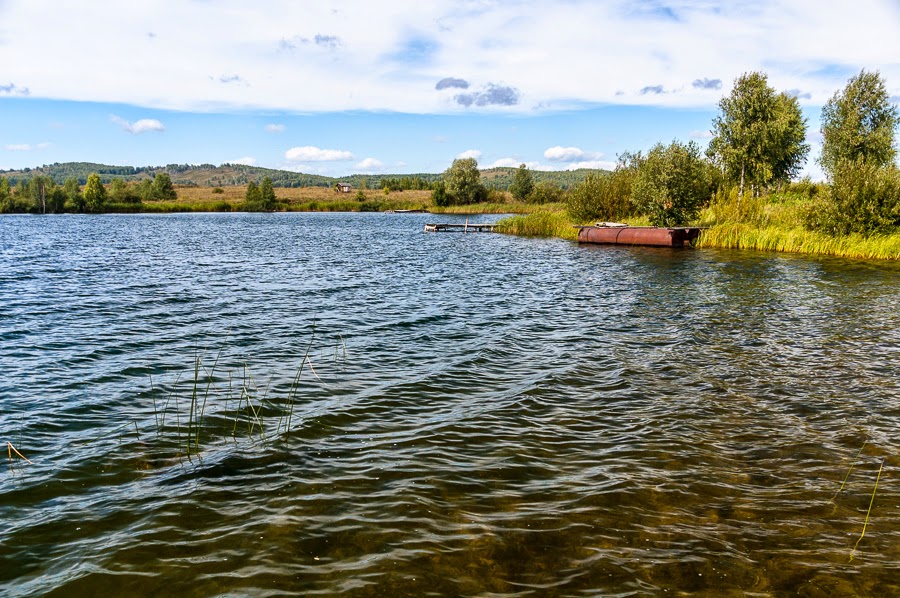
(474, 415)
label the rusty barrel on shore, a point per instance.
(639, 235)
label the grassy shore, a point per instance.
(765, 226)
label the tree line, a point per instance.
(42, 195)
(758, 146)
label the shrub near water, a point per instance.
(602, 196)
(863, 198)
(671, 184)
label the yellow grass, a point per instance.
(295, 196)
(799, 240)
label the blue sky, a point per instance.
(345, 86)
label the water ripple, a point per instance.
(488, 415)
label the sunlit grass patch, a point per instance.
(799, 240)
(539, 224)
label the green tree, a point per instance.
(145, 190)
(74, 196)
(253, 198)
(38, 189)
(672, 184)
(863, 197)
(123, 193)
(758, 136)
(267, 195)
(94, 194)
(858, 124)
(439, 194)
(163, 189)
(56, 200)
(463, 181)
(5, 204)
(522, 185)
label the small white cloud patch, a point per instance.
(143, 125)
(310, 153)
(246, 161)
(26, 147)
(275, 128)
(369, 164)
(472, 153)
(570, 154)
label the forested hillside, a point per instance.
(208, 175)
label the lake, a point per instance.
(341, 404)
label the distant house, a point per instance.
(344, 187)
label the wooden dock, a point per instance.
(459, 228)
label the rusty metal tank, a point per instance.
(639, 235)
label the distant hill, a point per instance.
(207, 175)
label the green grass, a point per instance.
(539, 224)
(551, 221)
(506, 207)
(799, 240)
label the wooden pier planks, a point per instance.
(459, 228)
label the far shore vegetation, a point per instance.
(743, 189)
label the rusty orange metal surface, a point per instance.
(639, 235)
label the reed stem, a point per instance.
(10, 449)
(846, 477)
(869, 512)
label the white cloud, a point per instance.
(570, 154)
(275, 128)
(471, 153)
(369, 164)
(309, 153)
(563, 154)
(365, 58)
(26, 147)
(246, 161)
(139, 126)
(700, 134)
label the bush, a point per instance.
(602, 196)
(863, 198)
(439, 195)
(804, 188)
(672, 184)
(218, 190)
(371, 206)
(545, 192)
(494, 196)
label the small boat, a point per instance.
(615, 233)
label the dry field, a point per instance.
(295, 195)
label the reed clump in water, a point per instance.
(216, 402)
(539, 224)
